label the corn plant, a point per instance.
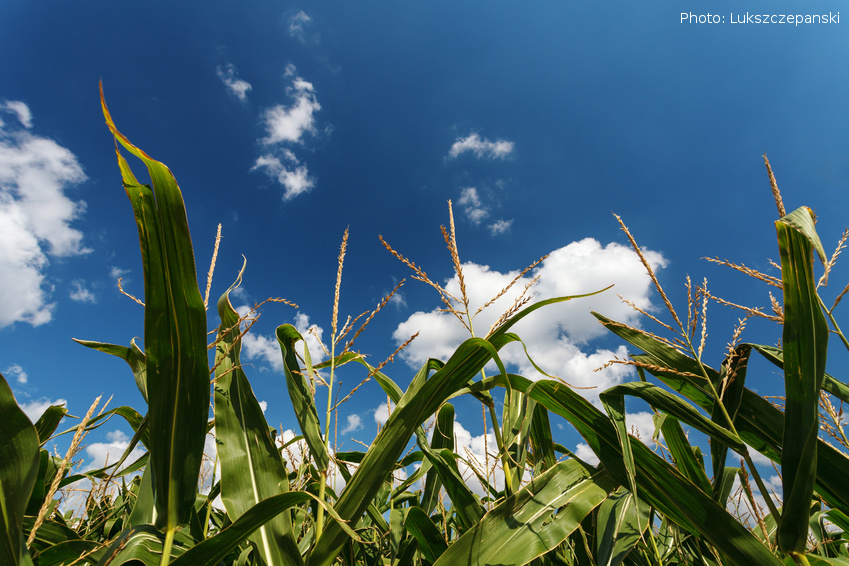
(271, 506)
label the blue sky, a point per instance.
(288, 122)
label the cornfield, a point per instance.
(636, 507)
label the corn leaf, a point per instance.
(659, 484)
(805, 340)
(174, 335)
(429, 537)
(212, 550)
(534, 520)
(443, 437)
(620, 525)
(251, 466)
(300, 395)
(132, 355)
(466, 362)
(48, 422)
(19, 463)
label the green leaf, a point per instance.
(174, 335)
(620, 525)
(300, 394)
(19, 461)
(429, 537)
(731, 385)
(443, 437)
(132, 355)
(805, 340)
(251, 467)
(48, 422)
(466, 363)
(214, 549)
(682, 453)
(466, 505)
(659, 484)
(534, 520)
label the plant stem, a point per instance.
(166, 548)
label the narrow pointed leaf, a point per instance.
(19, 462)
(300, 395)
(805, 341)
(534, 520)
(429, 537)
(443, 437)
(251, 466)
(174, 338)
(620, 524)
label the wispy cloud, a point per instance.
(298, 25)
(481, 147)
(80, 293)
(500, 226)
(238, 87)
(21, 111)
(470, 201)
(476, 211)
(35, 215)
(17, 372)
(288, 125)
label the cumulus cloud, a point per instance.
(34, 409)
(264, 348)
(80, 293)
(473, 208)
(555, 336)
(290, 123)
(100, 454)
(295, 181)
(17, 372)
(481, 147)
(238, 87)
(36, 217)
(355, 423)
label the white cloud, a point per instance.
(259, 347)
(104, 453)
(35, 215)
(355, 423)
(476, 211)
(297, 25)
(263, 405)
(481, 147)
(296, 182)
(554, 334)
(80, 293)
(290, 123)
(500, 226)
(472, 206)
(21, 111)
(34, 409)
(17, 372)
(229, 76)
(585, 453)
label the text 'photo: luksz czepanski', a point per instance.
(747, 18)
